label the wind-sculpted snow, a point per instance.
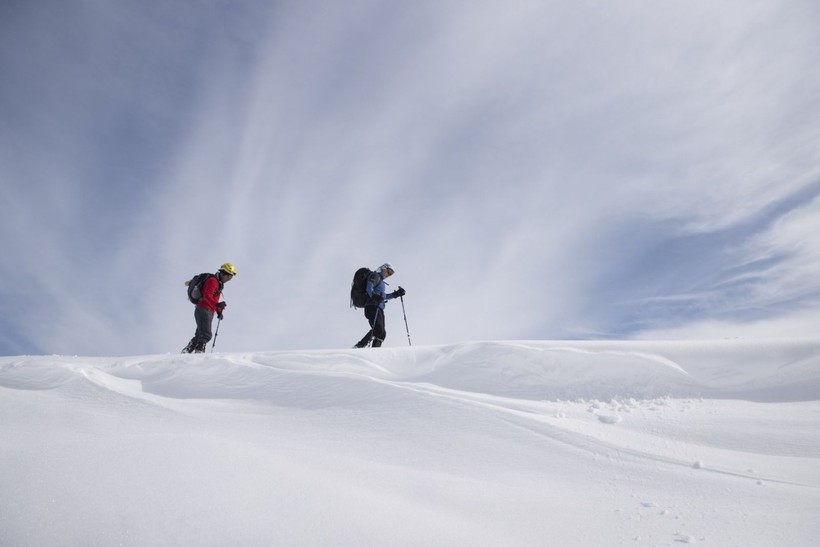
(525, 370)
(486, 443)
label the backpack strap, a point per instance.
(373, 279)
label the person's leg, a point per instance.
(379, 331)
(369, 313)
(204, 320)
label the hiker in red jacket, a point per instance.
(208, 305)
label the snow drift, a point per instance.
(490, 443)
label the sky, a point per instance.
(620, 443)
(533, 170)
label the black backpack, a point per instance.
(195, 286)
(358, 289)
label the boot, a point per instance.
(377, 343)
(190, 347)
(364, 341)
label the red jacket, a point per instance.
(211, 291)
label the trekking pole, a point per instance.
(372, 326)
(405, 321)
(216, 333)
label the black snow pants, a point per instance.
(375, 317)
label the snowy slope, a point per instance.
(490, 443)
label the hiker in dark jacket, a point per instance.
(374, 308)
(207, 306)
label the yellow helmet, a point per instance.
(228, 268)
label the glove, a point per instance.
(221, 306)
(399, 293)
(219, 315)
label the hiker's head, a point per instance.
(386, 269)
(227, 271)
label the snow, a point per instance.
(483, 443)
